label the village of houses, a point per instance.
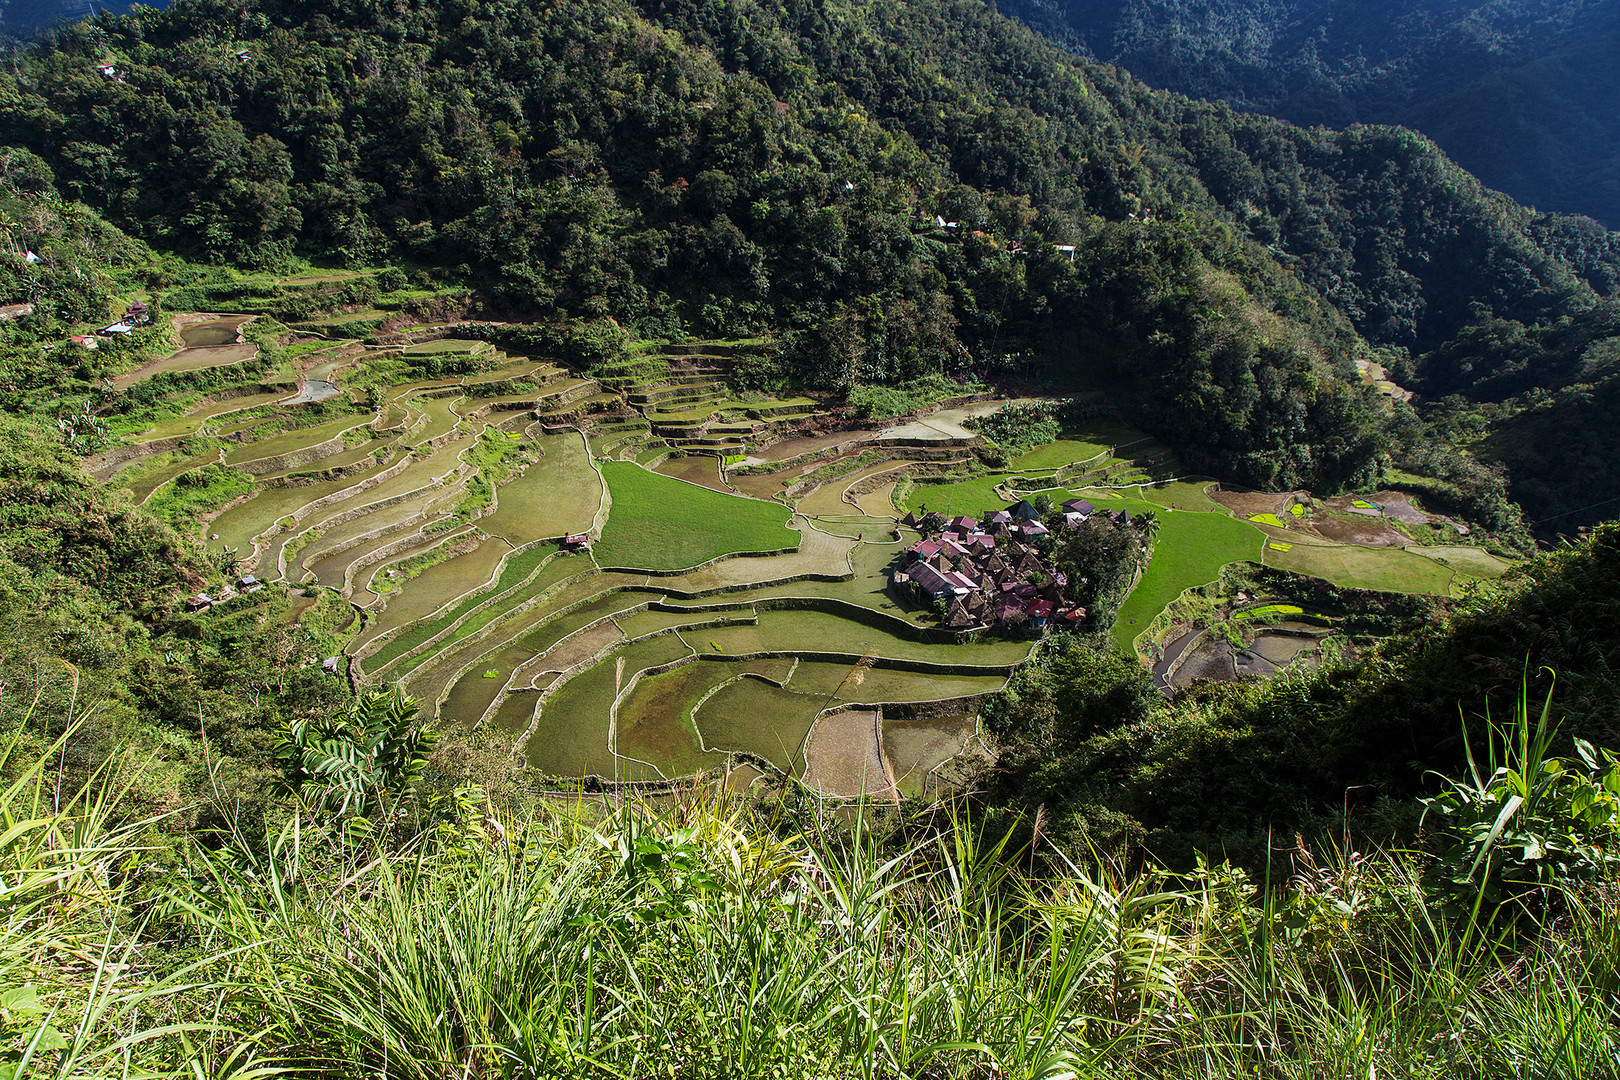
(992, 573)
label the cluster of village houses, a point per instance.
(202, 601)
(991, 573)
(133, 316)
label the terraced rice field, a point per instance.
(970, 497)
(204, 349)
(762, 617)
(659, 523)
(1191, 548)
(655, 730)
(559, 494)
(157, 474)
(1068, 450)
(288, 442)
(1390, 569)
(571, 733)
(196, 418)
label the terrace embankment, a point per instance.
(726, 597)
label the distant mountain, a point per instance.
(1525, 94)
(26, 18)
(778, 168)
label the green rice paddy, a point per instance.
(1382, 568)
(658, 523)
(489, 631)
(970, 497)
(1067, 451)
(802, 631)
(1191, 548)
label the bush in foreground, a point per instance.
(687, 941)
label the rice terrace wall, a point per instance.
(529, 548)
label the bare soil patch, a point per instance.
(844, 758)
(1367, 532)
(1245, 503)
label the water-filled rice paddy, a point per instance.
(870, 685)
(512, 622)
(330, 557)
(548, 633)
(196, 418)
(480, 685)
(517, 571)
(214, 332)
(655, 727)
(915, 747)
(652, 620)
(829, 497)
(371, 582)
(844, 756)
(558, 494)
(440, 584)
(295, 439)
(441, 414)
(761, 718)
(878, 502)
(571, 733)
(341, 458)
(237, 526)
(208, 345)
(492, 630)
(700, 469)
(155, 477)
(516, 713)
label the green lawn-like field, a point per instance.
(1190, 550)
(1385, 569)
(658, 523)
(1470, 563)
(1067, 451)
(971, 497)
(1184, 495)
(445, 347)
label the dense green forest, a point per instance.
(1523, 94)
(720, 169)
(737, 169)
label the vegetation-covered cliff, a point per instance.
(732, 169)
(1521, 93)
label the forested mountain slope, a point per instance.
(741, 168)
(1525, 94)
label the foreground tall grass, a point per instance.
(686, 940)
